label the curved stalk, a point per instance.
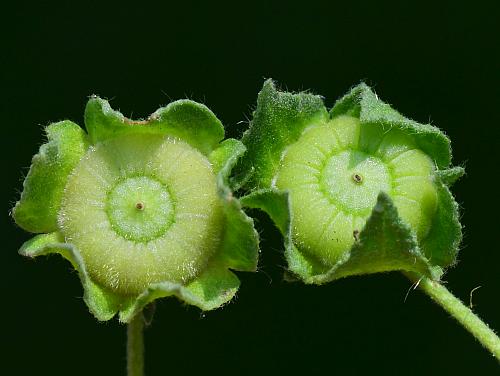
(463, 314)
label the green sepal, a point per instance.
(300, 266)
(188, 120)
(101, 303)
(213, 288)
(278, 121)
(240, 241)
(277, 205)
(450, 175)
(274, 202)
(442, 244)
(363, 103)
(36, 211)
(225, 157)
(385, 243)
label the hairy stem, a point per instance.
(135, 346)
(459, 311)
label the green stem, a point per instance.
(135, 346)
(461, 312)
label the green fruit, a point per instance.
(354, 190)
(334, 181)
(142, 209)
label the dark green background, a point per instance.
(437, 63)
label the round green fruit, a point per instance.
(142, 209)
(334, 173)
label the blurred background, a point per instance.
(435, 63)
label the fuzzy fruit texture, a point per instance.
(141, 209)
(334, 180)
(356, 190)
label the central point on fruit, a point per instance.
(126, 203)
(353, 179)
(358, 179)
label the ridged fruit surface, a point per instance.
(142, 209)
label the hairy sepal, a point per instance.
(450, 175)
(185, 119)
(442, 243)
(436, 251)
(101, 303)
(213, 288)
(278, 121)
(240, 240)
(363, 103)
(36, 210)
(385, 243)
(276, 204)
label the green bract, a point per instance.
(142, 209)
(354, 190)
